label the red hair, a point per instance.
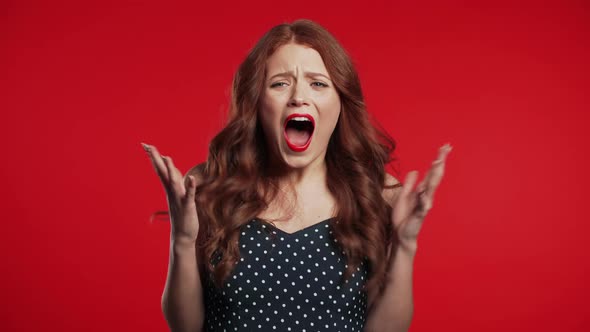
(237, 185)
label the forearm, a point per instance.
(182, 299)
(393, 311)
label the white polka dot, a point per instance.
(249, 289)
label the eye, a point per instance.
(320, 84)
(277, 84)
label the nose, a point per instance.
(298, 98)
(297, 101)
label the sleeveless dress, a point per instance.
(287, 282)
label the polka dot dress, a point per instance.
(287, 282)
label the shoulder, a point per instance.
(391, 189)
(197, 172)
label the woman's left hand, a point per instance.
(412, 205)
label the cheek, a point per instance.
(269, 119)
(271, 109)
(329, 123)
(330, 114)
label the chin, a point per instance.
(298, 160)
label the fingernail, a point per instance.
(145, 147)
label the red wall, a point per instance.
(504, 248)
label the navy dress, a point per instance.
(287, 282)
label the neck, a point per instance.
(298, 178)
(296, 186)
(313, 174)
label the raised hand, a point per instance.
(412, 205)
(180, 194)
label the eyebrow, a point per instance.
(307, 74)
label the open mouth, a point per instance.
(298, 130)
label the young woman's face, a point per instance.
(300, 106)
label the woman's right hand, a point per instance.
(180, 194)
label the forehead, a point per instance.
(295, 57)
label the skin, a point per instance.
(305, 173)
(292, 87)
(413, 204)
(297, 81)
(395, 308)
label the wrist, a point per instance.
(408, 247)
(182, 242)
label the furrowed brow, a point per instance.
(307, 74)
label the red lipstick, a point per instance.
(294, 147)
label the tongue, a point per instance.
(297, 137)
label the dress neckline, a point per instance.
(307, 228)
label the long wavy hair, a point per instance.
(237, 184)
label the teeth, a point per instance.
(300, 118)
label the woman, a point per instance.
(292, 223)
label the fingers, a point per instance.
(158, 163)
(176, 181)
(408, 195)
(421, 199)
(171, 177)
(421, 187)
(408, 184)
(191, 186)
(436, 172)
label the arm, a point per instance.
(182, 299)
(393, 310)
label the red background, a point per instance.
(84, 83)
